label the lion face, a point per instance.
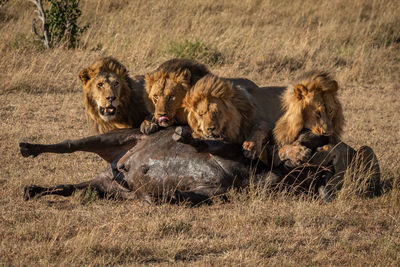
(312, 104)
(208, 120)
(111, 98)
(316, 116)
(105, 88)
(166, 94)
(105, 91)
(218, 110)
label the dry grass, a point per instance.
(269, 42)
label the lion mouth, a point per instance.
(164, 121)
(214, 137)
(108, 111)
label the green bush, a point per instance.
(195, 50)
(60, 23)
(61, 19)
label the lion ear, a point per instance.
(300, 91)
(193, 123)
(149, 81)
(84, 75)
(334, 86)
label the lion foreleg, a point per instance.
(253, 145)
(294, 154)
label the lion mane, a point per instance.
(167, 86)
(177, 66)
(239, 112)
(312, 87)
(116, 87)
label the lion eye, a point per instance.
(171, 98)
(318, 114)
(116, 83)
(100, 84)
(155, 97)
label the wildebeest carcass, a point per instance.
(181, 168)
(152, 165)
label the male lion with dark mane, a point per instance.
(166, 88)
(111, 98)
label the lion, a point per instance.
(308, 129)
(166, 88)
(111, 98)
(218, 110)
(310, 105)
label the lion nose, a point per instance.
(210, 129)
(162, 114)
(111, 98)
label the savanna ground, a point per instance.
(269, 42)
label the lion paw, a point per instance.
(250, 149)
(294, 155)
(148, 127)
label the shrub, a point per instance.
(59, 23)
(195, 50)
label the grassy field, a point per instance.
(270, 42)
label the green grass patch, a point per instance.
(195, 50)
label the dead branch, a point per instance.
(41, 15)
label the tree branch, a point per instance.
(41, 15)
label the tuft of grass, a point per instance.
(362, 177)
(89, 196)
(195, 50)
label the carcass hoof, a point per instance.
(31, 191)
(182, 135)
(27, 150)
(369, 165)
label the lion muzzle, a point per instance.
(108, 111)
(163, 121)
